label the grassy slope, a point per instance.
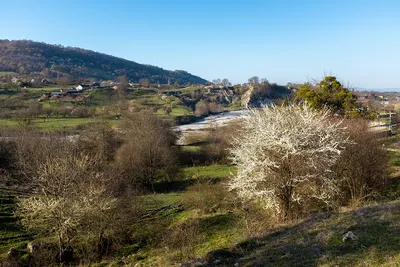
(218, 230)
(318, 240)
(11, 232)
(50, 124)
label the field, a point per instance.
(50, 124)
(99, 103)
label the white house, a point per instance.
(82, 87)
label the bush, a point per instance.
(363, 165)
(206, 197)
(201, 109)
(63, 111)
(99, 140)
(181, 240)
(32, 148)
(219, 140)
(148, 153)
(255, 218)
(45, 255)
(81, 112)
(285, 158)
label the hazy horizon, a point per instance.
(283, 41)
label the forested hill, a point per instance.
(33, 58)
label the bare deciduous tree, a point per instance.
(68, 193)
(100, 141)
(216, 81)
(63, 82)
(144, 82)
(72, 193)
(201, 108)
(254, 80)
(285, 157)
(225, 82)
(147, 153)
(122, 87)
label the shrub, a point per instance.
(285, 158)
(99, 140)
(219, 140)
(148, 152)
(207, 197)
(181, 240)
(201, 109)
(363, 165)
(32, 148)
(255, 218)
(81, 112)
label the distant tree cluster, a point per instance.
(224, 82)
(328, 92)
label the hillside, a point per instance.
(28, 58)
(318, 241)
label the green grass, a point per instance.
(101, 97)
(7, 123)
(2, 73)
(11, 232)
(191, 148)
(50, 124)
(59, 124)
(42, 90)
(157, 201)
(210, 171)
(16, 99)
(317, 241)
(395, 159)
(219, 231)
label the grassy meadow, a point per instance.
(100, 103)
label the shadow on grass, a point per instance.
(217, 223)
(179, 185)
(189, 158)
(318, 240)
(11, 231)
(8, 92)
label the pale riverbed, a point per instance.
(221, 119)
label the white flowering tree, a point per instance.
(284, 157)
(69, 196)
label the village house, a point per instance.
(82, 87)
(385, 101)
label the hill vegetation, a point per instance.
(41, 60)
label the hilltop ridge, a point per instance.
(33, 59)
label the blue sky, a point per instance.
(296, 41)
